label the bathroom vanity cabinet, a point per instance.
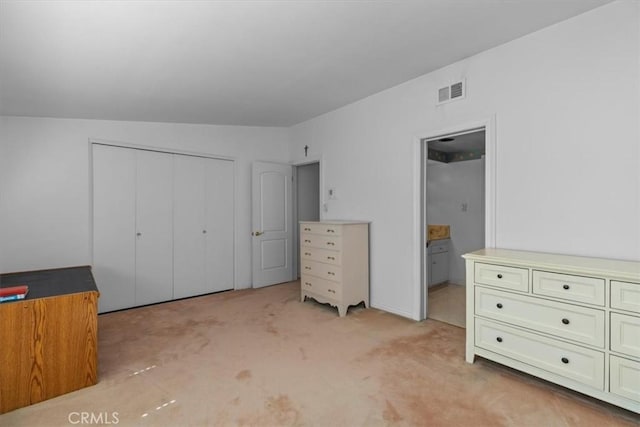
(438, 259)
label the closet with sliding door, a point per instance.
(163, 225)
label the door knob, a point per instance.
(257, 233)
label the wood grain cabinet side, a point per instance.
(49, 347)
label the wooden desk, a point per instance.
(48, 341)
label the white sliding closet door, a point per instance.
(203, 226)
(154, 227)
(189, 227)
(220, 224)
(114, 226)
(163, 226)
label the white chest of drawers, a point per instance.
(574, 321)
(334, 263)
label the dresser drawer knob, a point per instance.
(499, 305)
(331, 258)
(331, 244)
(330, 230)
(566, 287)
(565, 360)
(307, 229)
(307, 268)
(565, 321)
(308, 284)
(331, 290)
(499, 276)
(307, 253)
(331, 273)
(307, 241)
(499, 339)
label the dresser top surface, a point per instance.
(336, 222)
(626, 270)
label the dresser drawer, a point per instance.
(321, 270)
(581, 324)
(326, 229)
(321, 255)
(320, 241)
(625, 334)
(589, 290)
(625, 296)
(624, 378)
(571, 361)
(513, 278)
(438, 246)
(325, 288)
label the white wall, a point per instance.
(45, 182)
(565, 100)
(449, 185)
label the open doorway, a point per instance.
(306, 202)
(455, 215)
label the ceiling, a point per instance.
(468, 142)
(258, 63)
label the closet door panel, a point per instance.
(220, 224)
(114, 216)
(189, 233)
(154, 227)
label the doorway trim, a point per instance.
(310, 159)
(420, 193)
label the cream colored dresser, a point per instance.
(574, 321)
(334, 263)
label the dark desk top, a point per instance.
(50, 283)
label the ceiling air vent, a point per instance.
(452, 92)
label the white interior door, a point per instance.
(114, 214)
(154, 227)
(271, 218)
(189, 231)
(220, 225)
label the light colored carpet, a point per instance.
(447, 304)
(261, 357)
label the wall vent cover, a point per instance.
(456, 90)
(443, 94)
(452, 92)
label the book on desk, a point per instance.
(13, 293)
